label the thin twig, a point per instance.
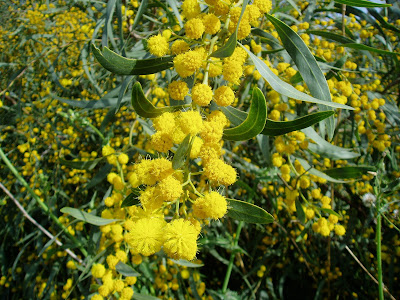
(41, 228)
(369, 274)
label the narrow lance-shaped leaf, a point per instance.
(120, 65)
(286, 89)
(254, 123)
(144, 108)
(350, 172)
(86, 217)
(362, 3)
(316, 172)
(275, 128)
(247, 212)
(181, 153)
(368, 48)
(142, 8)
(331, 36)
(228, 49)
(307, 65)
(126, 270)
(325, 148)
(300, 212)
(132, 198)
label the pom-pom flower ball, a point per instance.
(212, 205)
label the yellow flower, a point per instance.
(179, 46)
(224, 96)
(212, 205)
(190, 8)
(194, 29)
(180, 239)
(178, 90)
(158, 45)
(187, 63)
(98, 270)
(212, 24)
(218, 171)
(190, 122)
(340, 230)
(146, 236)
(202, 94)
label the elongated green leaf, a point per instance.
(131, 199)
(326, 149)
(316, 172)
(307, 66)
(286, 89)
(362, 3)
(331, 36)
(126, 270)
(144, 108)
(91, 104)
(181, 153)
(275, 128)
(338, 64)
(100, 176)
(185, 263)
(254, 123)
(142, 8)
(300, 212)
(330, 211)
(172, 4)
(247, 212)
(349, 172)
(267, 37)
(86, 217)
(382, 21)
(137, 296)
(368, 48)
(120, 65)
(80, 165)
(228, 49)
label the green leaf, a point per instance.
(331, 36)
(284, 88)
(80, 165)
(137, 296)
(131, 199)
(172, 4)
(86, 217)
(338, 64)
(142, 8)
(126, 270)
(185, 263)
(330, 211)
(181, 152)
(325, 148)
(91, 104)
(349, 172)
(254, 123)
(100, 176)
(228, 49)
(316, 172)
(300, 212)
(368, 48)
(274, 128)
(144, 108)
(307, 66)
(247, 212)
(120, 65)
(362, 3)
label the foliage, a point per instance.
(199, 150)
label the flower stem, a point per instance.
(232, 258)
(379, 251)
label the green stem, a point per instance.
(378, 251)
(232, 258)
(41, 204)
